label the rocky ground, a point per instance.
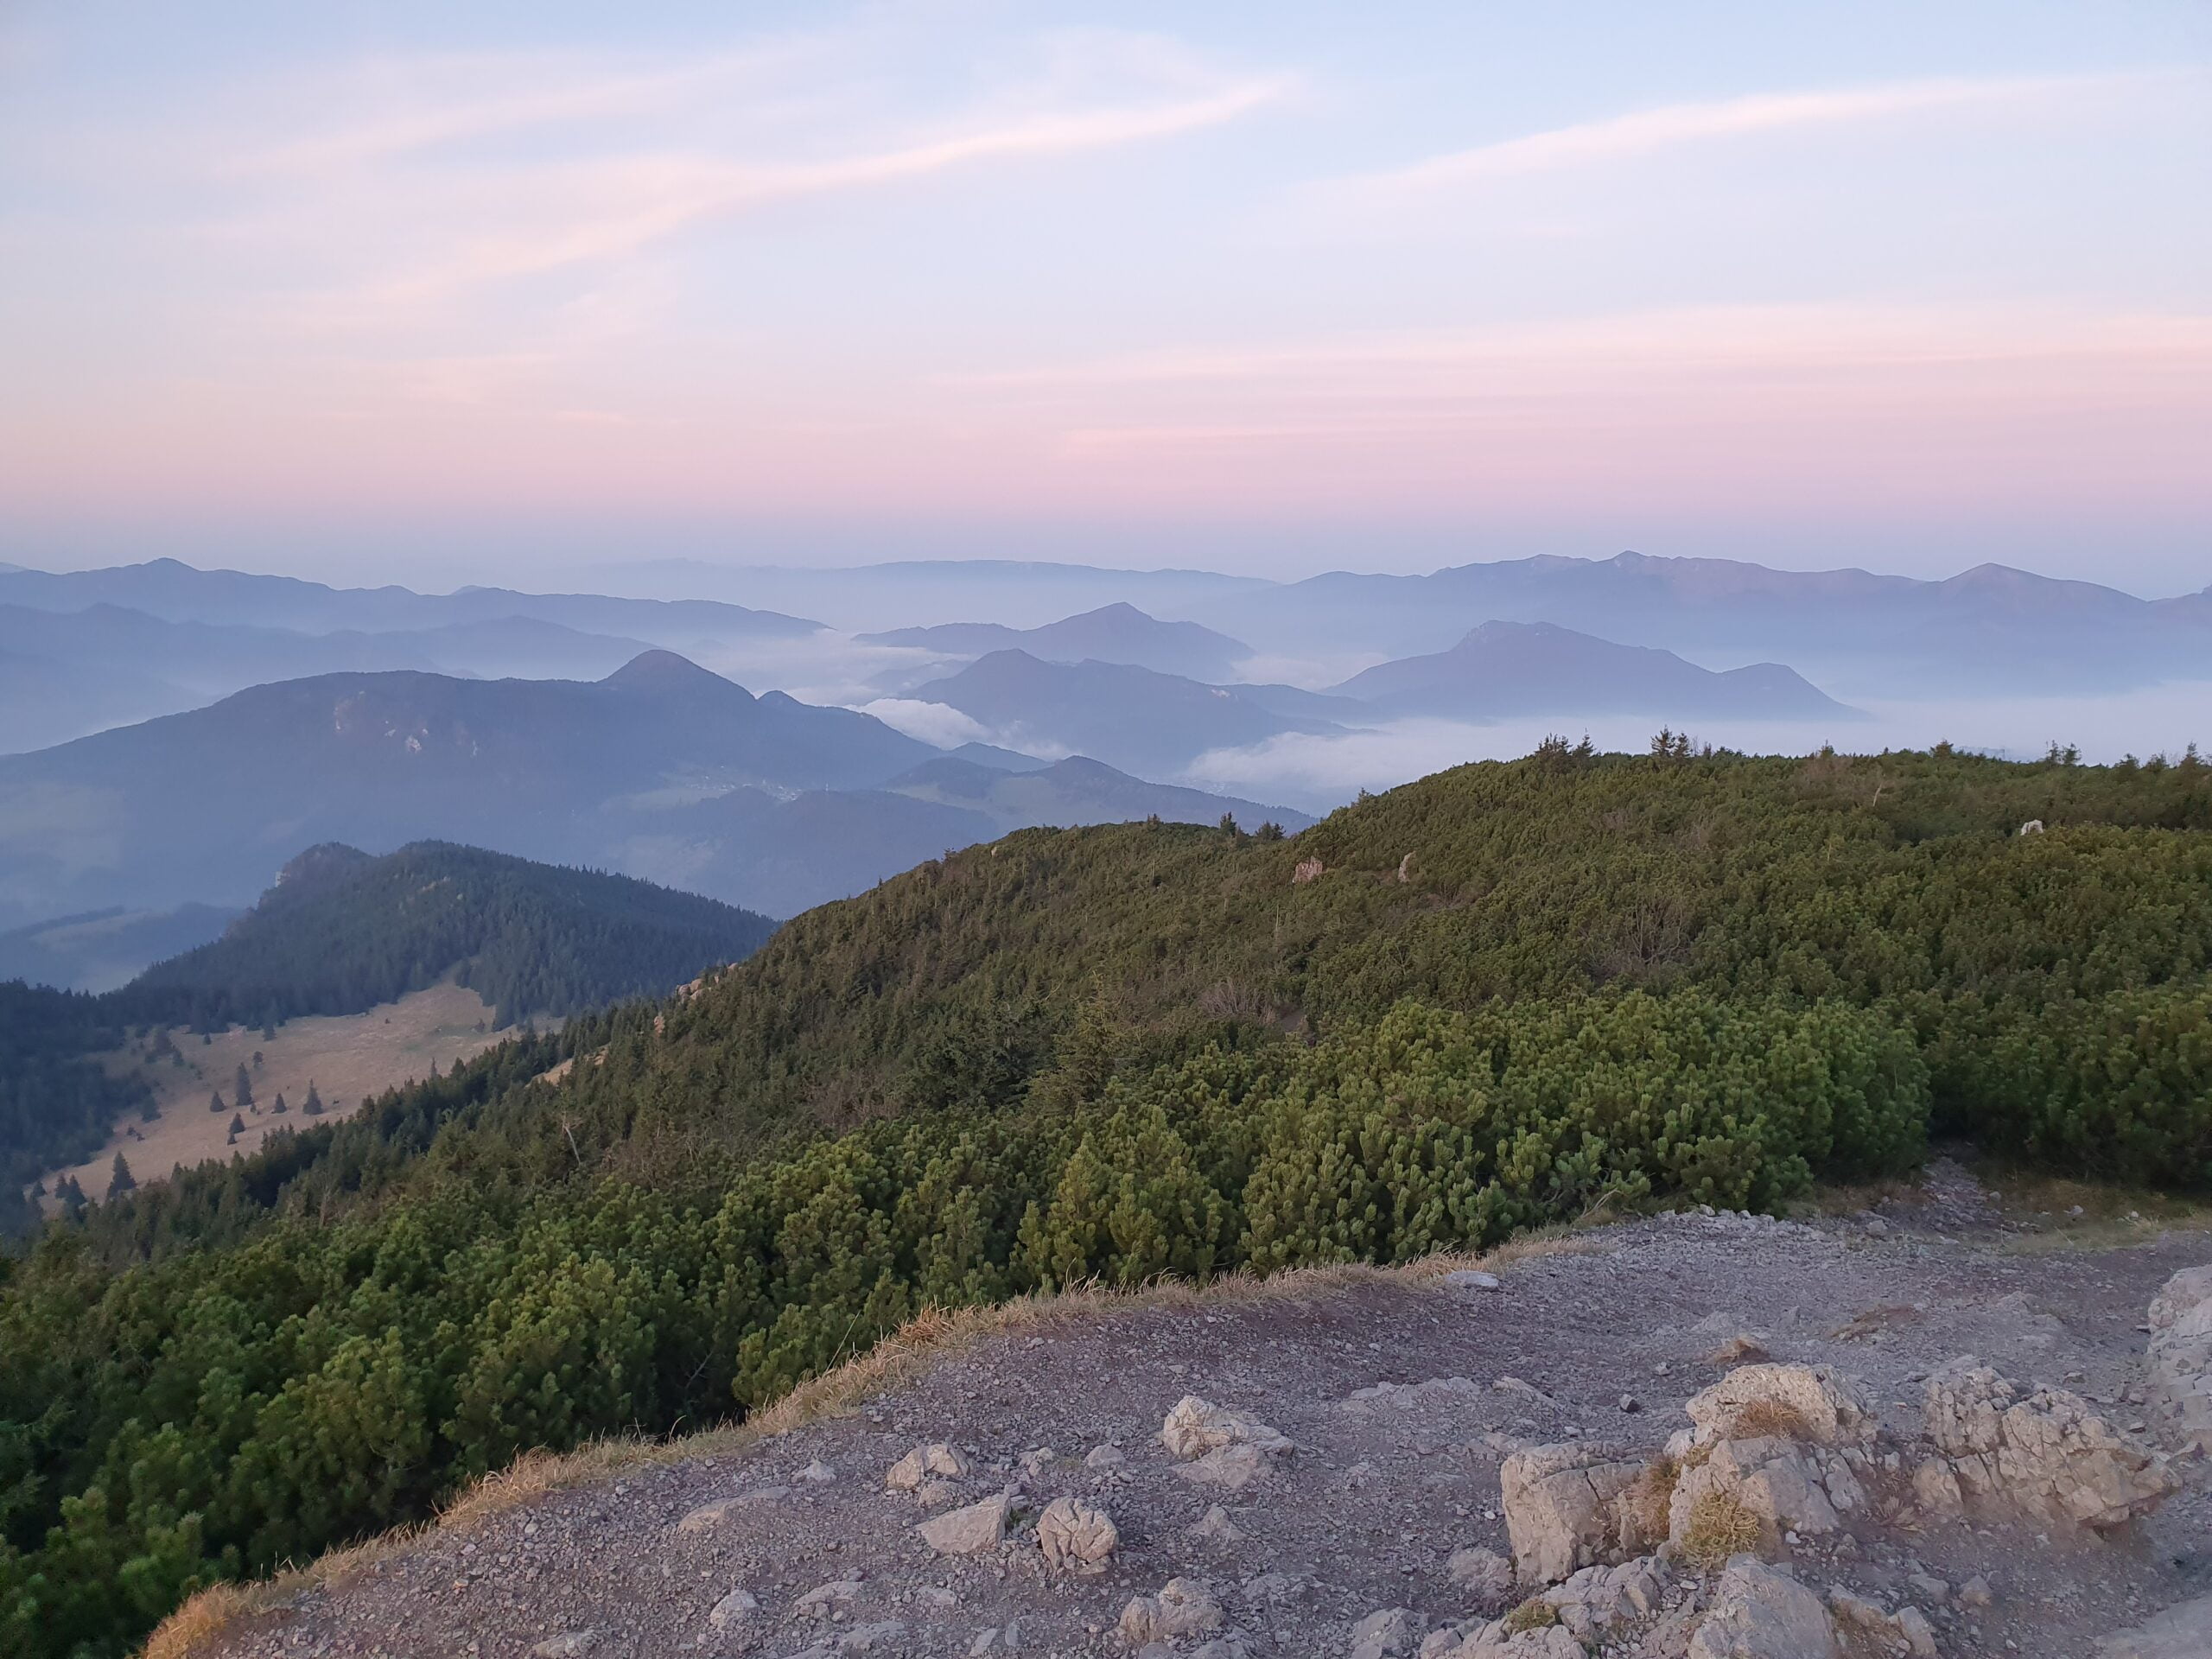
(1021, 1498)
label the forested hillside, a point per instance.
(1474, 1003)
(340, 933)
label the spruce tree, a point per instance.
(120, 1180)
(279, 1108)
(312, 1104)
(215, 1103)
(237, 1128)
(242, 1087)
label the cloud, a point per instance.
(1646, 131)
(931, 722)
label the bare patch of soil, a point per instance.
(606, 1556)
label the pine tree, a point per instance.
(279, 1108)
(72, 1197)
(312, 1104)
(120, 1180)
(237, 1128)
(243, 1088)
(215, 1103)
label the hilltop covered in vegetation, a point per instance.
(340, 933)
(1474, 1003)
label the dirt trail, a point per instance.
(1606, 1338)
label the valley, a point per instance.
(343, 1058)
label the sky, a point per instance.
(471, 290)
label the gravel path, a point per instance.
(1607, 1341)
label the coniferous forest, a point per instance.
(340, 932)
(1487, 999)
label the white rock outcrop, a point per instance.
(1564, 1509)
(970, 1531)
(1183, 1607)
(1220, 1446)
(1760, 1611)
(936, 1459)
(2177, 1380)
(1076, 1536)
(2048, 1455)
(1814, 1403)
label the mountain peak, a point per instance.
(664, 672)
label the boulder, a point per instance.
(707, 1516)
(2177, 1370)
(1388, 1634)
(1076, 1536)
(1183, 1607)
(937, 1459)
(1594, 1602)
(970, 1531)
(1484, 1574)
(1771, 1477)
(1762, 1612)
(2180, 1632)
(1196, 1427)
(2050, 1455)
(1813, 1403)
(1562, 1508)
(733, 1610)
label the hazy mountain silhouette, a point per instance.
(1112, 634)
(1529, 668)
(1132, 718)
(178, 593)
(207, 804)
(1991, 628)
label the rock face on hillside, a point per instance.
(1944, 1453)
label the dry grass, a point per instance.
(1719, 1527)
(1737, 1350)
(1759, 1419)
(1533, 1614)
(1648, 1499)
(932, 1335)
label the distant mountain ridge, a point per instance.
(1523, 668)
(662, 771)
(1132, 718)
(1990, 628)
(1112, 634)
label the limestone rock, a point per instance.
(918, 1466)
(1196, 1427)
(2180, 1632)
(1229, 1468)
(1105, 1456)
(1562, 1509)
(707, 1516)
(1388, 1634)
(837, 1592)
(1183, 1607)
(1076, 1536)
(566, 1645)
(1484, 1574)
(2178, 1382)
(1472, 1279)
(1769, 1477)
(817, 1473)
(968, 1531)
(1814, 1403)
(733, 1610)
(1595, 1601)
(2050, 1455)
(1975, 1594)
(1762, 1612)
(1215, 1525)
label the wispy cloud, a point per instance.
(1643, 132)
(620, 207)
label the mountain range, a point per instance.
(661, 770)
(1535, 667)
(1112, 634)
